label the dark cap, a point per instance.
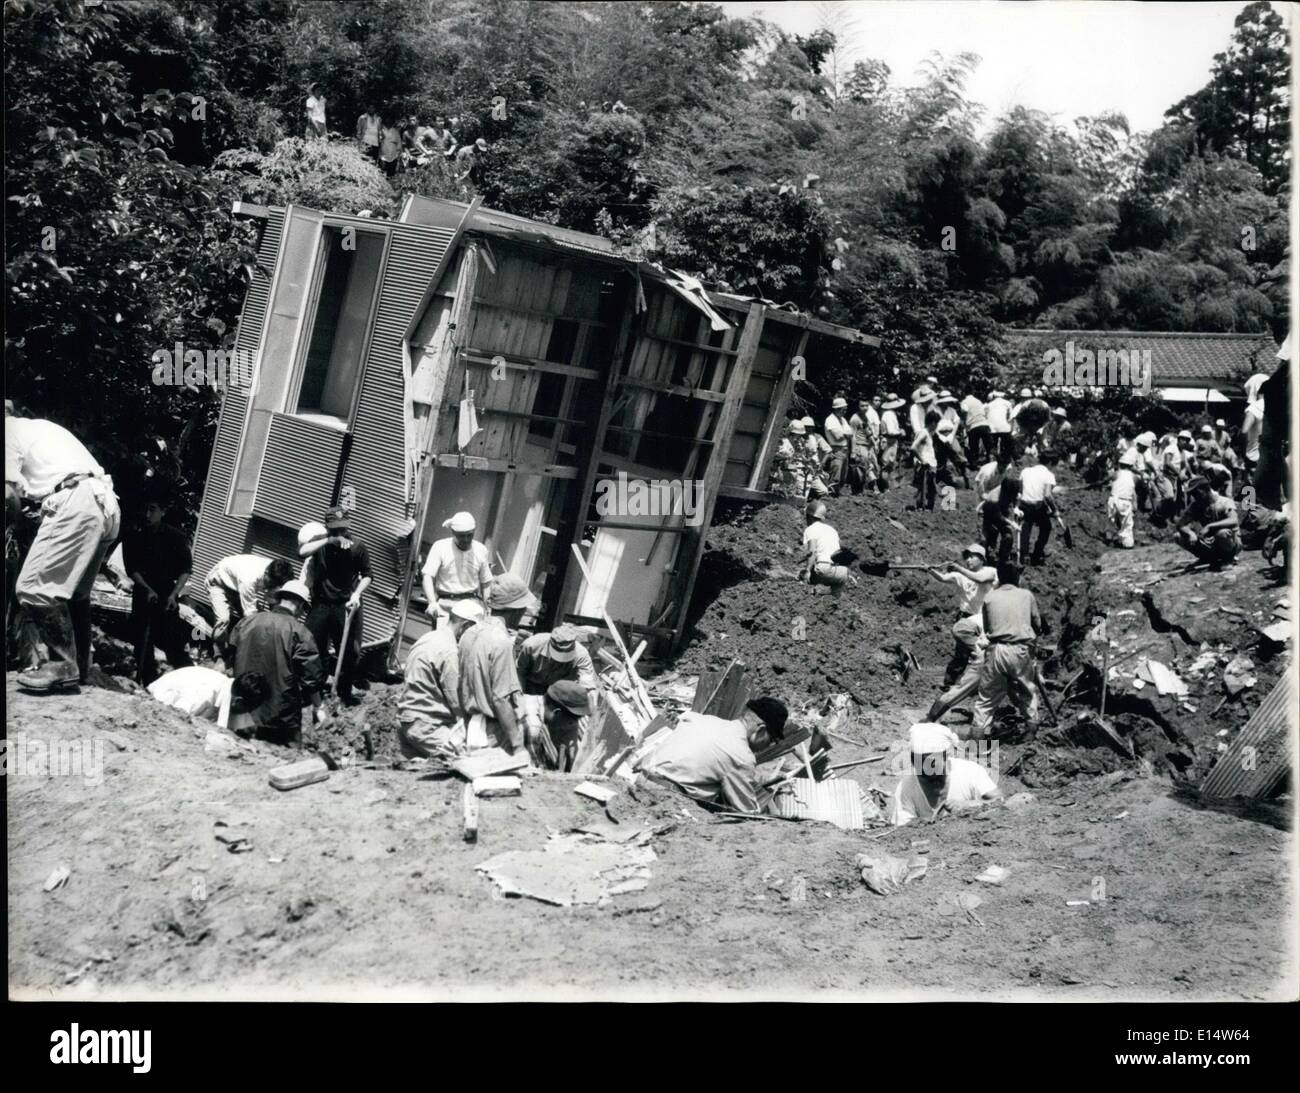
(337, 520)
(570, 696)
(773, 713)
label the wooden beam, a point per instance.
(776, 418)
(722, 430)
(700, 393)
(615, 525)
(818, 326)
(507, 466)
(478, 358)
(702, 347)
(469, 809)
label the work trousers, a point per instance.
(325, 621)
(424, 737)
(966, 632)
(1007, 672)
(979, 445)
(78, 528)
(946, 454)
(1038, 514)
(153, 625)
(888, 455)
(923, 483)
(833, 576)
(1120, 513)
(836, 468)
(1223, 547)
(997, 532)
(1004, 447)
(965, 686)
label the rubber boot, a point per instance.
(79, 615)
(55, 627)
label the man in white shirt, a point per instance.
(977, 429)
(938, 781)
(975, 578)
(1038, 505)
(839, 435)
(990, 476)
(457, 568)
(947, 439)
(891, 436)
(80, 520)
(240, 584)
(315, 111)
(1252, 422)
(368, 125)
(998, 411)
(922, 401)
(866, 441)
(821, 543)
(1122, 503)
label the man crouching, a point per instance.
(711, 759)
(938, 780)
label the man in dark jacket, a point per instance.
(278, 647)
(338, 574)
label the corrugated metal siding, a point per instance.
(378, 467)
(298, 473)
(1267, 735)
(217, 534)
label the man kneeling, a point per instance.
(938, 780)
(1208, 525)
(431, 720)
(711, 759)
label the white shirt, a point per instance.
(973, 592)
(824, 540)
(40, 454)
(838, 431)
(976, 412)
(456, 570)
(999, 415)
(987, 477)
(239, 573)
(1252, 424)
(316, 109)
(197, 691)
(889, 423)
(967, 781)
(916, 415)
(1036, 483)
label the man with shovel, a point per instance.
(338, 574)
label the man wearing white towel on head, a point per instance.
(938, 779)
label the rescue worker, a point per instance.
(209, 694)
(866, 442)
(976, 579)
(1122, 503)
(926, 463)
(280, 649)
(1011, 624)
(431, 720)
(821, 543)
(891, 436)
(839, 438)
(938, 780)
(999, 519)
(712, 759)
(1056, 433)
(1144, 471)
(998, 411)
(1208, 525)
(554, 719)
(990, 475)
(1037, 505)
(978, 446)
(240, 584)
(922, 402)
(457, 568)
(46, 465)
(489, 680)
(1252, 424)
(947, 440)
(543, 659)
(157, 559)
(338, 574)
(811, 456)
(786, 462)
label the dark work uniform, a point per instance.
(278, 646)
(160, 555)
(332, 575)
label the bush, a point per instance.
(328, 175)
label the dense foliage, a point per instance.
(714, 145)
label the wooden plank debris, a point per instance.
(469, 807)
(601, 794)
(501, 785)
(488, 762)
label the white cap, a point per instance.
(460, 523)
(928, 737)
(1220, 423)
(798, 428)
(470, 610)
(808, 423)
(295, 588)
(839, 404)
(311, 537)
(1025, 392)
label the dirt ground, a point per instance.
(363, 884)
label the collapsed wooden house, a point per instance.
(375, 342)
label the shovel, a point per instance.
(338, 666)
(881, 569)
(1065, 530)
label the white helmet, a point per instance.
(311, 537)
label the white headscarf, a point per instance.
(928, 737)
